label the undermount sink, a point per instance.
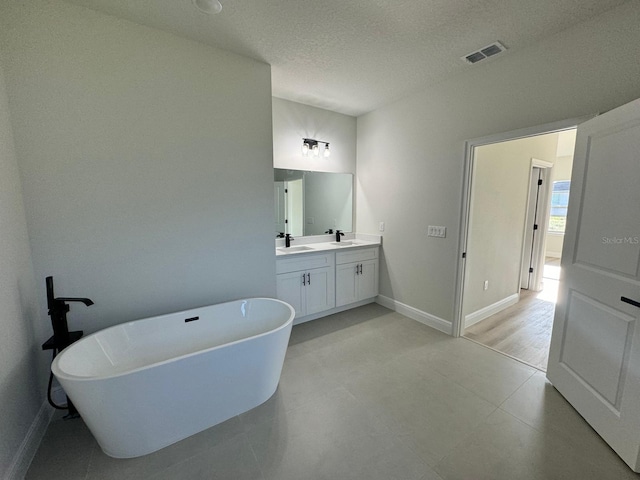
(345, 243)
(301, 248)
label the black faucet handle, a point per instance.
(280, 235)
(329, 231)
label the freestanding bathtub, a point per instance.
(143, 385)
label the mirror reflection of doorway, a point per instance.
(514, 243)
(312, 203)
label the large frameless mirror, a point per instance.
(312, 203)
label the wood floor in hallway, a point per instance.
(523, 330)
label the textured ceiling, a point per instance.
(352, 56)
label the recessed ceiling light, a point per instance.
(210, 7)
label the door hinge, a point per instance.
(530, 269)
(286, 221)
(464, 254)
(286, 190)
(539, 181)
(535, 226)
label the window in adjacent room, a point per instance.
(559, 203)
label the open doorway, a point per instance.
(517, 205)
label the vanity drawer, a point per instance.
(301, 262)
(359, 255)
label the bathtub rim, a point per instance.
(55, 369)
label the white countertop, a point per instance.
(324, 243)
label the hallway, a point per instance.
(523, 331)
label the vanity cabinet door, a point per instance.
(320, 290)
(368, 279)
(290, 289)
(346, 284)
(356, 281)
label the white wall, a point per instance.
(411, 152)
(146, 162)
(20, 393)
(294, 121)
(497, 217)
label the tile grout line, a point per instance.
(93, 450)
(516, 390)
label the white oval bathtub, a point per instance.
(143, 385)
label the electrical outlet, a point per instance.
(435, 231)
(381, 227)
(486, 285)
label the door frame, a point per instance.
(457, 328)
(542, 216)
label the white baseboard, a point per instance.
(29, 447)
(415, 314)
(492, 309)
(553, 254)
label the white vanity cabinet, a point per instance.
(307, 282)
(356, 275)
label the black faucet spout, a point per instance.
(338, 235)
(287, 240)
(58, 308)
(87, 301)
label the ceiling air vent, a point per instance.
(484, 52)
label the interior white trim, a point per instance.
(489, 310)
(469, 151)
(536, 162)
(29, 446)
(415, 314)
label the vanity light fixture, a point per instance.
(210, 7)
(312, 144)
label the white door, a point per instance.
(531, 228)
(290, 289)
(320, 290)
(346, 284)
(368, 279)
(594, 360)
(280, 207)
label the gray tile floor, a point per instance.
(370, 394)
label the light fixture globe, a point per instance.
(327, 152)
(210, 7)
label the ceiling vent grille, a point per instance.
(485, 52)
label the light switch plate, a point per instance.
(436, 231)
